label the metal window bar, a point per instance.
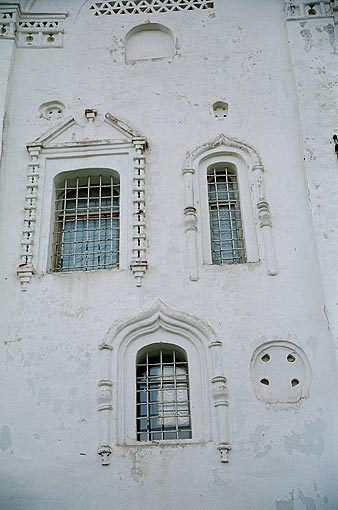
(162, 403)
(86, 233)
(226, 229)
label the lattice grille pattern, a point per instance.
(227, 243)
(38, 24)
(148, 6)
(86, 232)
(163, 407)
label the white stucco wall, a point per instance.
(50, 362)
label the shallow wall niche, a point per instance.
(148, 41)
(220, 109)
(281, 373)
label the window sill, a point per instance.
(82, 271)
(171, 442)
(221, 267)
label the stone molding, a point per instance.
(314, 9)
(253, 161)
(121, 337)
(132, 143)
(31, 30)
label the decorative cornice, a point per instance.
(113, 7)
(31, 30)
(314, 9)
(48, 139)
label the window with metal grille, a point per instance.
(86, 228)
(226, 230)
(162, 386)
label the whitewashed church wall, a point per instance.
(282, 457)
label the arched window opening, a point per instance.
(226, 229)
(162, 387)
(86, 228)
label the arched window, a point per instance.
(86, 228)
(162, 387)
(226, 231)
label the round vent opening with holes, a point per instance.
(280, 373)
(52, 110)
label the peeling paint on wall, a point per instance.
(259, 443)
(307, 36)
(311, 442)
(285, 504)
(307, 502)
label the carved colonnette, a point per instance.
(25, 270)
(190, 223)
(139, 263)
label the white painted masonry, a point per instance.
(156, 92)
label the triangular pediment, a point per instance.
(93, 130)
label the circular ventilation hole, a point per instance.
(291, 358)
(265, 358)
(294, 382)
(29, 38)
(50, 38)
(312, 11)
(265, 382)
(3, 30)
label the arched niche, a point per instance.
(148, 41)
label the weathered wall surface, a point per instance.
(238, 52)
(313, 50)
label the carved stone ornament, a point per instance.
(147, 6)
(254, 163)
(75, 140)
(114, 348)
(304, 9)
(31, 30)
(281, 374)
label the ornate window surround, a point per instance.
(250, 173)
(71, 147)
(117, 399)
